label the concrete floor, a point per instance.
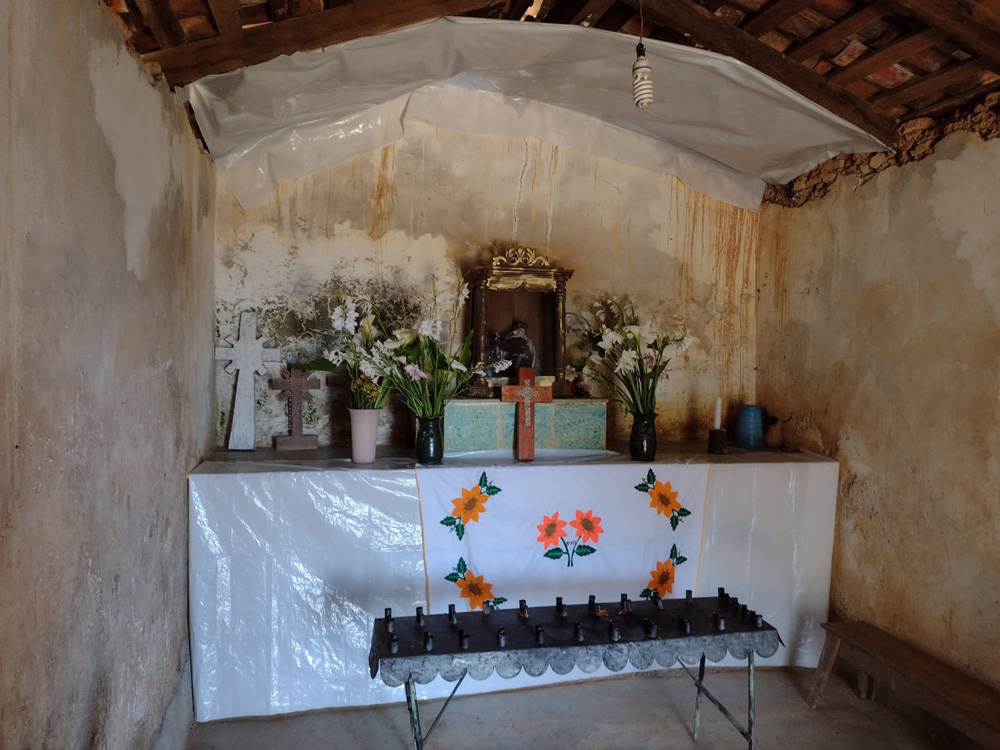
(646, 710)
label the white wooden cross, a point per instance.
(246, 357)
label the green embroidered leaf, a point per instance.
(650, 477)
(584, 549)
(642, 487)
(646, 594)
(554, 554)
(499, 600)
(674, 520)
(460, 530)
(491, 490)
(679, 560)
(673, 552)
(683, 512)
(453, 577)
(483, 481)
(460, 568)
(449, 521)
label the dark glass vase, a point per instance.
(430, 440)
(642, 441)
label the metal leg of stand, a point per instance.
(750, 700)
(697, 700)
(411, 706)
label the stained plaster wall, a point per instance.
(385, 222)
(879, 342)
(106, 303)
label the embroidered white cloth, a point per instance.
(498, 534)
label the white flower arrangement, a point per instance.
(627, 359)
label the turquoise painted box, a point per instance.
(488, 425)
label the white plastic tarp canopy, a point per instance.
(720, 126)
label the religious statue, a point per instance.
(514, 348)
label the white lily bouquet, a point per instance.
(430, 363)
(358, 341)
(627, 358)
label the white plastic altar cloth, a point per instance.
(291, 562)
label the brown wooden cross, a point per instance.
(526, 394)
(295, 387)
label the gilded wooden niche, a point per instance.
(519, 310)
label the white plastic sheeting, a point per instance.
(720, 126)
(290, 564)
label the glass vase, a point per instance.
(642, 440)
(430, 440)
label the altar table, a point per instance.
(292, 560)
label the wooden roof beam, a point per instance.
(774, 14)
(226, 14)
(718, 35)
(160, 19)
(592, 12)
(900, 50)
(341, 23)
(936, 81)
(280, 9)
(840, 31)
(976, 24)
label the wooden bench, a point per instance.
(949, 694)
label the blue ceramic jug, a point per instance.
(750, 428)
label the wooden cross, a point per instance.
(526, 395)
(246, 357)
(295, 385)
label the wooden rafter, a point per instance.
(975, 24)
(937, 81)
(720, 36)
(958, 101)
(592, 11)
(895, 52)
(226, 14)
(160, 18)
(840, 31)
(182, 65)
(775, 13)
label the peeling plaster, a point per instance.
(879, 342)
(404, 213)
(139, 138)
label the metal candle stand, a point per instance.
(717, 441)
(410, 650)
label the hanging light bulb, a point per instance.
(642, 78)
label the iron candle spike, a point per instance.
(687, 626)
(560, 607)
(592, 603)
(613, 632)
(722, 623)
(539, 635)
(420, 616)
(689, 596)
(428, 642)
(758, 621)
(578, 632)
(452, 617)
(522, 608)
(394, 645)
(722, 592)
(650, 628)
(501, 638)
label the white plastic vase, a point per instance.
(364, 432)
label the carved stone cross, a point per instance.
(246, 357)
(294, 385)
(526, 395)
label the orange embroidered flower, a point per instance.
(662, 579)
(587, 526)
(664, 499)
(475, 590)
(470, 504)
(551, 529)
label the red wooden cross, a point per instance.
(295, 387)
(526, 394)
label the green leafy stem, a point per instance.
(570, 550)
